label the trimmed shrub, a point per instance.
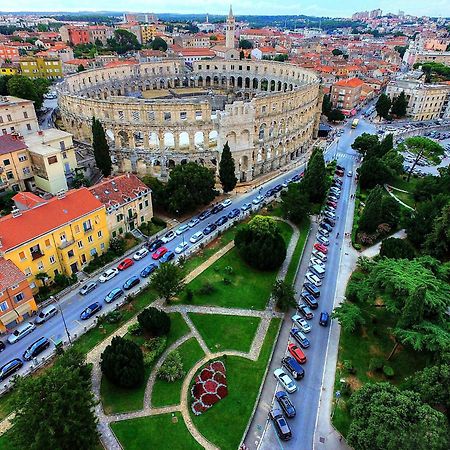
(376, 364)
(154, 321)
(159, 222)
(388, 371)
(135, 329)
(172, 368)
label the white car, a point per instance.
(108, 275)
(317, 262)
(323, 240)
(141, 253)
(258, 200)
(193, 222)
(168, 237)
(285, 380)
(196, 237)
(21, 331)
(350, 174)
(246, 206)
(314, 279)
(320, 255)
(182, 246)
(182, 229)
(323, 232)
(226, 203)
(301, 323)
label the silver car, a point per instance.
(21, 331)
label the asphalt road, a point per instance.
(306, 399)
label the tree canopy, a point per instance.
(295, 204)
(372, 213)
(383, 106)
(336, 115)
(154, 321)
(399, 105)
(284, 295)
(101, 148)
(349, 316)
(28, 88)
(227, 170)
(245, 44)
(397, 249)
(167, 280)
(123, 41)
(365, 143)
(158, 44)
(315, 180)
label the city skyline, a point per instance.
(326, 8)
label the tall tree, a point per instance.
(349, 316)
(81, 68)
(245, 44)
(159, 44)
(158, 188)
(372, 212)
(437, 243)
(167, 280)
(123, 41)
(373, 172)
(63, 397)
(399, 105)
(397, 248)
(336, 115)
(326, 105)
(227, 170)
(295, 204)
(365, 143)
(383, 106)
(315, 180)
(101, 148)
(422, 147)
(31, 89)
(284, 295)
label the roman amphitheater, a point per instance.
(160, 114)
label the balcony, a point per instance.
(132, 217)
(66, 244)
(88, 230)
(36, 255)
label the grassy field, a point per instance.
(226, 332)
(165, 393)
(116, 399)
(401, 183)
(5, 405)
(373, 340)
(155, 432)
(233, 412)
(295, 261)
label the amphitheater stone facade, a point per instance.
(160, 114)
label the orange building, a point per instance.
(8, 52)
(346, 94)
(16, 297)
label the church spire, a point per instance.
(230, 14)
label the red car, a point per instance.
(321, 248)
(127, 262)
(332, 204)
(297, 353)
(161, 251)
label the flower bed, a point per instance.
(210, 386)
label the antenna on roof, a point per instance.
(61, 194)
(16, 212)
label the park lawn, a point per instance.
(118, 400)
(298, 252)
(5, 405)
(155, 432)
(374, 340)
(244, 378)
(165, 393)
(222, 332)
(405, 198)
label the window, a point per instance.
(102, 246)
(93, 251)
(120, 230)
(22, 158)
(52, 159)
(47, 243)
(14, 287)
(52, 260)
(19, 297)
(167, 116)
(70, 253)
(10, 175)
(80, 244)
(40, 265)
(36, 252)
(22, 256)
(62, 236)
(8, 117)
(90, 239)
(114, 234)
(183, 115)
(6, 162)
(28, 127)
(151, 115)
(146, 203)
(32, 285)
(119, 217)
(25, 115)
(27, 272)
(64, 155)
(3, 306)
(87, 226)
(198, 115)
(99, 234)
(77, 228)
(140, 206)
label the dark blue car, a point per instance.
(324, 318)
(168, 256)
(221, 220)
(209, 229)
(219, 207)
(148, 270)
(204, 214)
(131, 282)
(233, 213)
(285, 403)
(90, 311)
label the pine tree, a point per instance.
(101, 148)
(227, 170)
(383, 106)
(372, 213)
(315, 179)
(399, 105)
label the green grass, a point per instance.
(165, 393)
(5, 405)
(405, 198)
(116, 399)
(225, 422)
(5, 441)
(286, 231)
(226, 332)
(155, 432)
(298, 251)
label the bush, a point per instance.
(113, 317)
(122, 363)
(155, 346)
(207, 289)
(135, 329)
(117, 246)
(348, 366)
(388, 371)
(228, 270)
(226, 281)
(154, 321)
(159, 222)
(189, 295)
(376, 364)
(172, 368)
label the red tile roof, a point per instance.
(28, 200)
(116, 190)
(10, 274)
(49, 216)
(351, 82)
(10, 143)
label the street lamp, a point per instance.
(63, 318)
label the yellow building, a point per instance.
(148, 32)
(9, 69)
(53, 159)
(56, 236)
(40, 67)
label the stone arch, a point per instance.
(216, 82)
(153, 139)
(200, 81)
(262, 131)
(272, 85)
(212, 136)
(247, 83)
(245, 138)
(123, 138)
(264, 84)
(239, 82)
(231, 138)
(183, 140)
(199, 138)
(169, 139)
(208, 81)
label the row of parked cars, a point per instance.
(291, 369)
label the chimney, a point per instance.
(61, 194)
(16, 212)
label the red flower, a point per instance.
(210, 399)
(220, 378)
(210, 386)
(222, 391)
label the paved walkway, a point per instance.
(389, 191)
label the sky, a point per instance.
(331, 8)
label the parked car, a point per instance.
(2, 346)
(141, 253)
(323, 240)
(146, 271)
(325, 226)
(196, 237)
(181, 247)
(258, 199)
(269, 193)
(226, 203)
(323, 232)
(314, 279)
(300, 338)
(324, 318)
(285, 404)
(318, 270)
(281, 426)
(204, 214)
(221, 220)
(320, 247)
(155, 245)
(217, 208)
(20, 332)
(127, 262)
(293, 367)
(9, 368)
(350, 174)
(329, 221)
(168, 256)
(305, 311)
(297, 353)
(233, 213)
(113, 295)
(330, 215)
(301, 323)
(131, 282)
(36, 348)
(108, 275)
(285, 380)
(47, 313)
(314, 261)
(193, 222)
(309, 300)
(92, 309)
(88, 287)
(209, 229)
(160, 252)
(168, 237)
(338, 167)
(182, 229)
(246, 206)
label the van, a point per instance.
(21, 331)
(47, 313)
(36, 348)
(317, 270)
(312, 289)
(320, 255)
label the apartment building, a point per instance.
(8, 52)
(16, 297)
(56, 236)
(17, 115)
(198, 40)
(425, 101)
(41, 67)
(148, 32)
(346, 94)
(128, 202)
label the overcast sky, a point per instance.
(257, 7)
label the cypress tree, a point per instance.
(399, 105)
(101, 148)
(227, 170)
(371, 216)
(315, 179)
